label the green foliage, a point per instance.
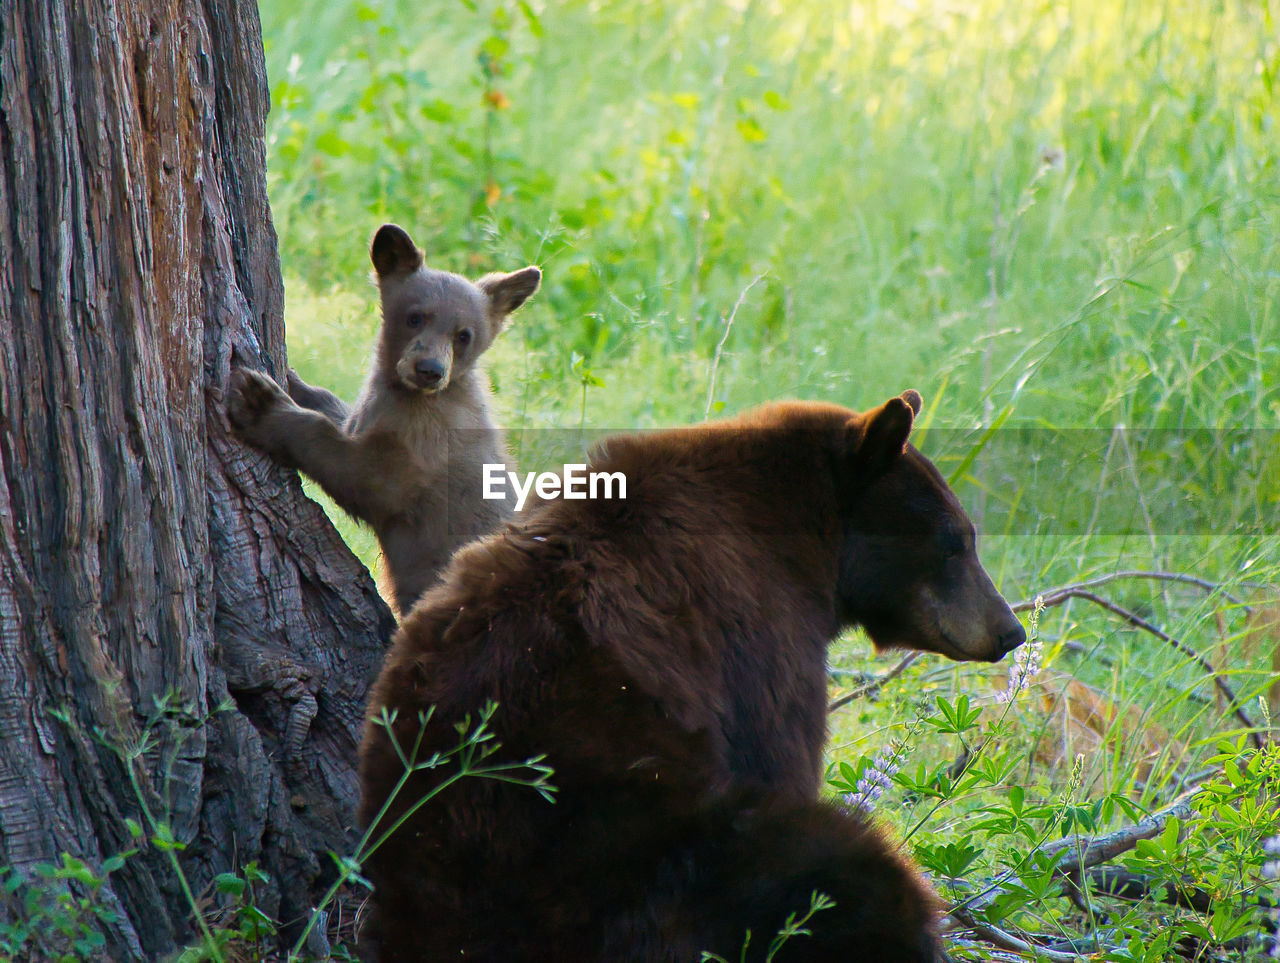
(240, 929)
(58, 916)
(473, 757)
(793, 926)
(56, 912)
(993, 847)
(1084, 244)
(957, 718)
(1096, 213)
(1220, 852)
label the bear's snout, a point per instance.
(1010, 639)
(424, 372)
(428, 372)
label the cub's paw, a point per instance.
(251, 396)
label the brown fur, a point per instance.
(667, 654)
(406, 457)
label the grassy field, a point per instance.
(1058, 221)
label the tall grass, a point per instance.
(1059, 221)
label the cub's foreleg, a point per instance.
(359, 473)
(318, 399)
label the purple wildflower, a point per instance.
(1027, 660)
(1025, 667)
(875, 779)
(1271, 870)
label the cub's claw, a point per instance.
(250, 398)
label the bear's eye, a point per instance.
(952, 543)
(464, 337)
(416, 319)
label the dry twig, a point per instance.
(1006, 940)
(1181, 577)
(874, 684)
(1060, 595)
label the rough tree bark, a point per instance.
(145, 555)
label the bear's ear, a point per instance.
(506, 292)
(879, 437)
(393, 251)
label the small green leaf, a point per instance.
(254, 874)
(255, 915)
(535, 24)
(439, 111)
(494, 47)
(751, 131)
(113, 863)
(229, 883)
(330, 143)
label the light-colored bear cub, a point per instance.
(407, 458)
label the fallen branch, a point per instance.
(1060, 595)
(1007, 941)
(1076, 852)
(963, 942)
(1181, 577)
(874, 684)
(1083, 852)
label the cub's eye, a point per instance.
(416, 319)
(464, 337)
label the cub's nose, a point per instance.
(428, 371)
(1010, 640)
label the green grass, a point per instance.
(1059, 217)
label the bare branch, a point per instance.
(874, 684)
(1005, 940)
(1061, 595)
(1083, 852)
(1208, 586)
(1076, 854)
(1081, 590)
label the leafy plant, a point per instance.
(55, 912)
(793, 926)
(473, 758)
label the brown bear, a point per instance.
(407, 457)
(667, 653)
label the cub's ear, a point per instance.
(879, 437)
(393, 251)
(506, 292)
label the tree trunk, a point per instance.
(173, 611)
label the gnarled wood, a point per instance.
(145, 554)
